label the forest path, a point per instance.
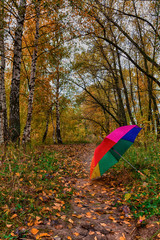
(98, 210)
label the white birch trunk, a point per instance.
(14, 121)
(3, 108)
(54, 132)
(58, 130)
(27, 130)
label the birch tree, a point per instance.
(14, 118)
(3, 108)
(27, 130)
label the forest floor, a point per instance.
(98, 209)
(47, 194)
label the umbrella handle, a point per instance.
(141, 173)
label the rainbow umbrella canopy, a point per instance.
(112, 148)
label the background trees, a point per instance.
(78, 67)
(125, 40)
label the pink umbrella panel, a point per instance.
(112, 148)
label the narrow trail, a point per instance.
(94, 205)
(98, 211)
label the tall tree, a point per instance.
(27, 130)
(3, 108)
(58, 129)
(134, 37)
(14, 120)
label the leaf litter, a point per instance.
(67, 205)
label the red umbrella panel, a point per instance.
(112, 148)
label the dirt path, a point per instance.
(98, 211)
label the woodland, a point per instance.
(74, 71)
(70, 73)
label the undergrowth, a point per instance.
(34, 187)
(143, 191)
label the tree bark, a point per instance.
(58, 129)
(27, 130)
(3, 107)
(14, 121)
(46, 130)
(54, 132)
(125, 90)
(120, 111)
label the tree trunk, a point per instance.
(27, 130)
(14, 121)
(131, 89)
(138, 91)
(46, 130)
(120, 108)
(3, 108)
(58, 130)
(125, 90)
(54, 132)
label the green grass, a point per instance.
(144, 190)
(30, 185)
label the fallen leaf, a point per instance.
(69, 226)
(30, 224)
(80, 205)
(34, 231)
(149, 225)
(9, 225)
(77, 216)
(42, 235)
(14, 215)
(123, 237)
(103, 224)
(59, 226)
(70, 220)
(126, 222)
(12, 234)
(145, 184)
(141, 219)
(38, 218)
(76, 234)
(88, 214)
(69, 238)
(127, 196)
(63, 217)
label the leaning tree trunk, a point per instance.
(3, 108)
(27, 130)
(58, 130)
(14, 121)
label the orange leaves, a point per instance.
(39, 236)
(14, 216)
(76, 234)
(88, 214)
(122, 237)
(34, 231)
(77, 216)
(112, 218)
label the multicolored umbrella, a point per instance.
(112, 148)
